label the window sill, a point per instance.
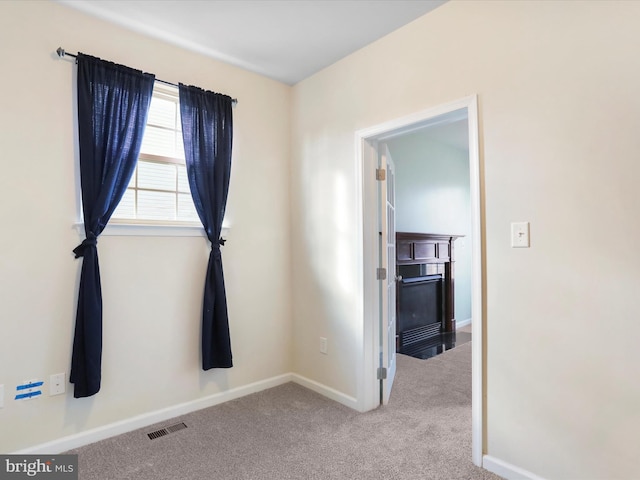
(140, 230)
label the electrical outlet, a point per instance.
(56, 384)
(323, 345)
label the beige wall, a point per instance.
(152, 286)
(557, 86)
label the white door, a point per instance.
(388, 284)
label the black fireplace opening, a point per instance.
(420, 326)
(420, 309)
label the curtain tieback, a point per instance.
(90, 241)
(215, 246)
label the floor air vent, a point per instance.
(166, 431)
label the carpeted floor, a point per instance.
(289, 432)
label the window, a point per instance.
(158, 192)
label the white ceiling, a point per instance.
(287, 40)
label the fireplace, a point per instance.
(425, 306)
(420, 308)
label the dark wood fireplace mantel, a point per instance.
(436, 253)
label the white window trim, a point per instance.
(151, 230)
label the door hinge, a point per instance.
(382, 373)
(381, 273)
(381, 174)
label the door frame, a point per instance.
(366, 141)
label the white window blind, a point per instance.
(159, 190)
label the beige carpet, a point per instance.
(289, 432)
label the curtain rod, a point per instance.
(61, 53)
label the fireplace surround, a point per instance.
(425, 287)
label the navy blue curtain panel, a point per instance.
(207, 131)
(113, 103)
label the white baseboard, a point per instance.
(463, 323)
(106, 431)
(506, 470)
(328, 392)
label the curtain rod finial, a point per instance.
(60, 52)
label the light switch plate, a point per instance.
(520, 234)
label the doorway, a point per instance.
(368, 144)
